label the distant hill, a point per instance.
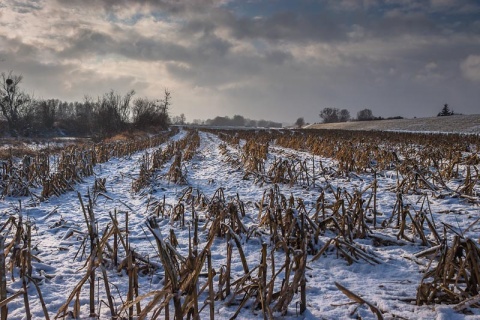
(455, 123)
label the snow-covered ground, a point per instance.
(390, 283)
(468, 124)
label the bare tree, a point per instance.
(13, 101)
(300, 122)
(344, 115)
(238, 121)
(166, 102)
(143, 111)
(365, 115)
(85, 115)
(330, 115)
(47, 112)
(183, 119)
(148, 112)
(112, 112)
(180, 120)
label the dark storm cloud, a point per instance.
(130, 44)
(27, 6)
(208, 15)
(211, 47)
(14, 50)
(416, 24)
(212, 64)
(278, 57)
(168, 6)
(87, 42)
(326, 24)
(289, 26)
(148, 49)
(218, 72)
(66, 81)
(402, 24)
(397, 57)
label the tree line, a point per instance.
(238, 121)
(332, 115)
(102, 117)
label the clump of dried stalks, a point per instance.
(189, 145)
(254, 156)
(150, 164)
(453, 276)
(74, 163)
(16, 244)
(109, 249)
(422, 164)
(175, 173)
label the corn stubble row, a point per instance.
(425, 165)
(70, 166)
(292, 235)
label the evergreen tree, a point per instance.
(445, 111)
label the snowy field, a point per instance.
(379, 261)
(467, 124)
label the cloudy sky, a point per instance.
(263, 59)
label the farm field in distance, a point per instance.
(245, 224)
(462, 124)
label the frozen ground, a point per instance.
(457, 123)
(390, 285)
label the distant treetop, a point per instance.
(445, 111)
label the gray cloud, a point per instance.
(471, 67)
(15, 51)
(167, 6)
(397, 57)
(88, 42)
(154, 50)
(278, 57)
(66, 81)
(289, 26)
(27, 6)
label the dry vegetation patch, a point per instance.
(316, 198)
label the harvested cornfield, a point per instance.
(244, 224)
